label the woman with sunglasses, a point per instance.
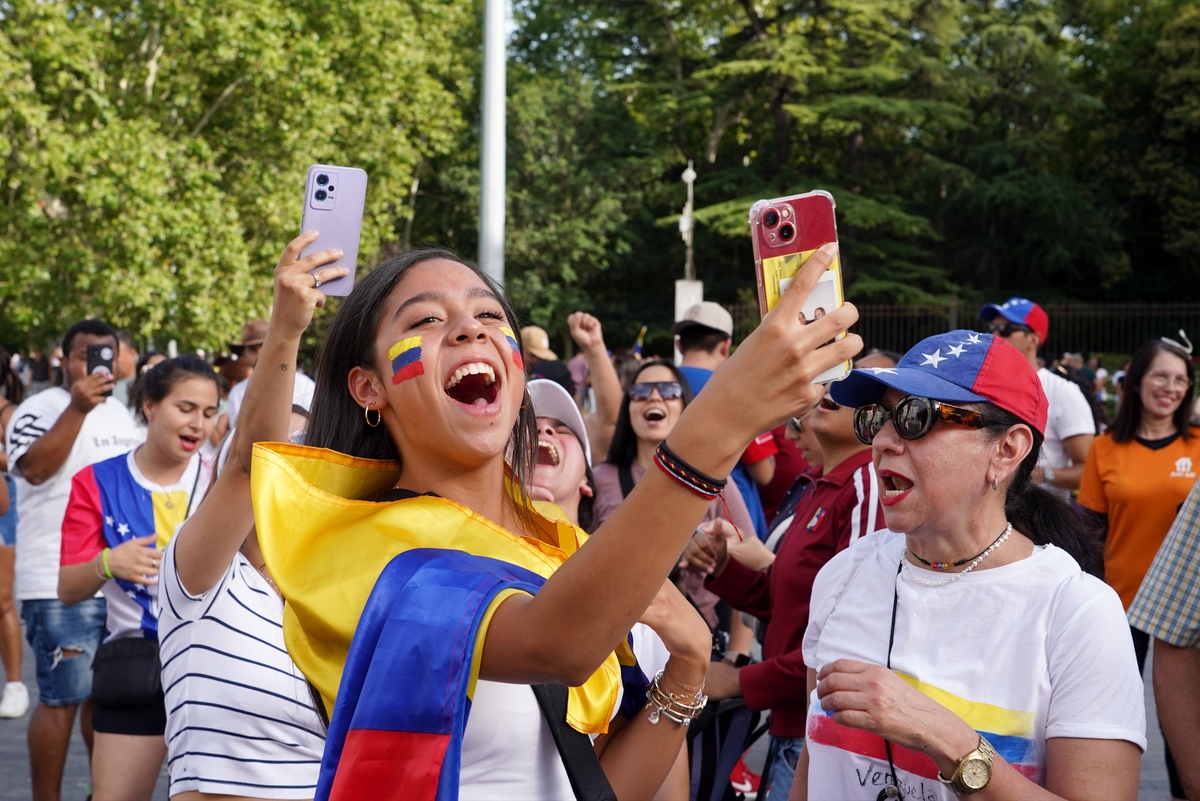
(1139, 472)
(430, 601)
(966, 649)
(653, 404)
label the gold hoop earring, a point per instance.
(528, 399)
(378, 417)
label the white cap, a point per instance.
(551, 400)
(708, 314)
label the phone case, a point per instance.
(785, 232)
(100, 359)
(334, 198)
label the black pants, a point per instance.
(1141, 647)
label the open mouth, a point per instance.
(189, 443)
(894, 484)
(828, 405)
(654, 415)
(473, 384)
(547, 454)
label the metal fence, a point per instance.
(1110, 328)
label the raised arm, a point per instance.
(208, 541)
(49, 453)
(606, 384)
(566, 630)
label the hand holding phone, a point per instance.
(334, 198)
(785, 232)
(100, 362)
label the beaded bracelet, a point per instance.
(703, 485)
(674, 708)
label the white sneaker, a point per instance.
(16, 700)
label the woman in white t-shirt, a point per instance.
(122, 512)
(966, 648)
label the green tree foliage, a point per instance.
(154, 153)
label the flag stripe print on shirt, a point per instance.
(516, 346)
(1009, 731)
(406, 359)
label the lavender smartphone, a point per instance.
(333, 204)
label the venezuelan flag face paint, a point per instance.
(406, 359)
(516, 346)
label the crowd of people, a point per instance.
(452, 565)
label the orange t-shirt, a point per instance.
(1140, 490)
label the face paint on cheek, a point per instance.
(406, 359)
(516, 347)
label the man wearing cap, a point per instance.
(704, 337)
(253, 335)
(1070, 427)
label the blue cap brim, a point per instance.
(868, 386)
(991, 311)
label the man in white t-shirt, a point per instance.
(1070, 428)
(253, 335)
(52, 436)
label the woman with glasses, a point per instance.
(966, 649)
(654, 401)
(1139, 472)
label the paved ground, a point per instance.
(14, 759)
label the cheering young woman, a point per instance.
(421, 581)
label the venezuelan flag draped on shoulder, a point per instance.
(386, 609)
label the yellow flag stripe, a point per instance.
(980, 716)
(403, 345)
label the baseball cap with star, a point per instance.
(959, 367)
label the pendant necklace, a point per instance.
(1004, 535)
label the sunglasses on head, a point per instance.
(912, 416)
(667, 390)
(1004, 330)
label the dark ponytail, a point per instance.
(1038, 513)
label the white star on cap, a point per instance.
(878, 370)
(933, 358)
(957, 350)
(108, 520)
(972, 339)
(123, 529)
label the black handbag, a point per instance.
(127, 672)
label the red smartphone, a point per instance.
(785, 231)
(334, 198)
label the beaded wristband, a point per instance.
(703, 485)
(104, 558)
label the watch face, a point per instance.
(976, 773)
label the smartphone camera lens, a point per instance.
(786, 232)
(322, 179)
(321, 195)
(771, 218)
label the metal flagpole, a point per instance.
(491, 151)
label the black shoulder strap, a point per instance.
(625, 474)
(578, 756)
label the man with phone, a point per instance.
(52, 436)
(1070, 427)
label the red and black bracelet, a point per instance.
(703, 485)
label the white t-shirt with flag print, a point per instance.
(1023, 653)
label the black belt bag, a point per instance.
(127, 672)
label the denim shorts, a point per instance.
(8, 520)
(52, 627)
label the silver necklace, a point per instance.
(956, 576)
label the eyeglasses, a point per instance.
(1006, 330)
(912, 416)
(667, 390)
(795, 425)
(1162, 381)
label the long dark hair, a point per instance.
(160, 379)
(336, 420)
(1038, 513)
(1129, 414)
(623, 449)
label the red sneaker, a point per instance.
(744, 781)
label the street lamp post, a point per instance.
(491, 150)
(687, 224)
